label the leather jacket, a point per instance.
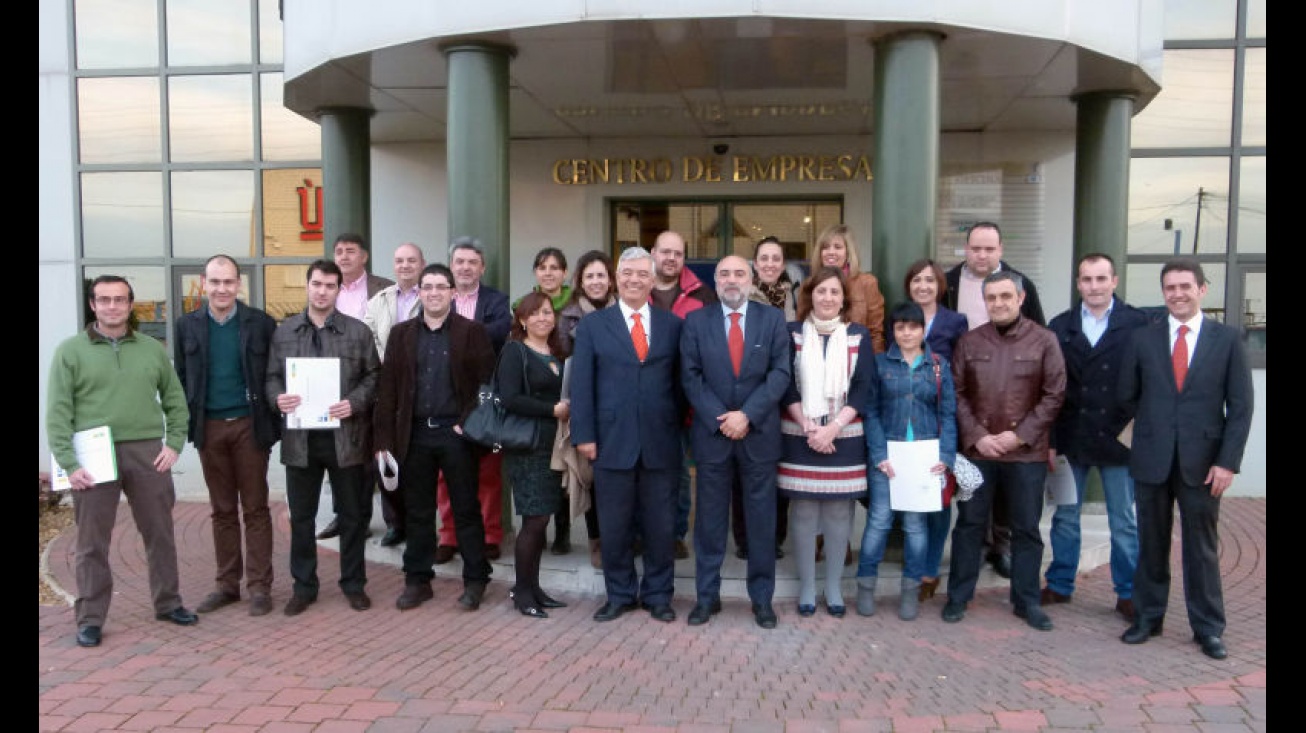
(1008, 381)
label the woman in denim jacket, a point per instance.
(913, 399)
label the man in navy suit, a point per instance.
(627, 407)
(1193, 388)
(735, 367)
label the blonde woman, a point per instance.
(837, 248)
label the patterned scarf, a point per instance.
(774, 292)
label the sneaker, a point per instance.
(215, 600)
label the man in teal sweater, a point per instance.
(110, 375)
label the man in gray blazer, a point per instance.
(1193, 388)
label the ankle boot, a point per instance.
(596, 556)
(911, 599)
(866, 596)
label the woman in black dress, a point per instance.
(530, 384)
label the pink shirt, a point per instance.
(352, 300)
(466, 304)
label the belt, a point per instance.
(435, 423)
(227, 419)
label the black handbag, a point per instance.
(491, 425)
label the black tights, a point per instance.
(527, 552)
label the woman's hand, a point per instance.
(562, 410)
(886, 468)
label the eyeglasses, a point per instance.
(435, 287)
(115, 300)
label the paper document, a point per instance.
(1060, 487)
(94, 449)
(1126, 436)
(317, 382)
(913, 487)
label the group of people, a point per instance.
(787, 393)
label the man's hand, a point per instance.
(589, 450)
(733, 424)
(990, 447)
(1052, 459)
(165, 460)
(341, 410)
(1008, 440)
(288, 402)
(1219, 479)
(81, 479)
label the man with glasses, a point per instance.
(418, 420)
(112, 376)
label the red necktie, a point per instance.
(736, 342)
(1179, 358)
(637, 335)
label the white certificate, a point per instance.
(1060, 487)
(913, 487)
(94, 449)
(317, 382)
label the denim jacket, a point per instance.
(902, 393)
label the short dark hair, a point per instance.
(467, 242)
(906, 313)
(983, 225)
(326, 267)
(1001, 275)
(920, 266)
(437, 268)
(352, 238)
(1184, 264)
(769, 239)
(227, 258)
(106, 279)
(1094, 257)
(548, 252)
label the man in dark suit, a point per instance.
(735, 368)
(627, 407)
(476, 301)
(965, 294)
(1191, 383)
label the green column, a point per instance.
(1102, 178)
(476, 147)
(346, 174)
(905, 156)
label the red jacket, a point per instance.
(693, 294)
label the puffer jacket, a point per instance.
(1014, 381)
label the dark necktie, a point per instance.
(1179, 358)
(735, 341)
(638, 337)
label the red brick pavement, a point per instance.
(441, 669)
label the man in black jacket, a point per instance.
(221, 357)
(966, 296)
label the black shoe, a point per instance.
(664, 612)
(954, 611)
(531, 610)
(297, 604)
(359, 601)
(682, 550)
(260, 604)
(741, 552)
(444, 553)
(331, 530)
(1001, 564)
(215, 600)
(703, 612)
(1211, 646)
(1139, 633)
(611, 611)
(88, 636)
(179, 616)
(764, 615)
(472, 595)
(805, 610)
(546, 601)
(838, 611)
(1035, 617)
(392, 537)
(414, 595)
(492, 551)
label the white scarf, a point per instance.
(823, 373)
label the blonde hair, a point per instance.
(844, 232)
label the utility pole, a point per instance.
(1197, 227)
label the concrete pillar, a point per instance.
(1102, 178)
(476, 147)
(346, 174)
(905, 156)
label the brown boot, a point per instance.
(596, 557)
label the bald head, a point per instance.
(409, 262)
(668, 258)
(734, 281)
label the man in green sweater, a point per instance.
(112, 376)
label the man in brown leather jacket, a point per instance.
(1011, 381)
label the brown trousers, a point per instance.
(236, 473)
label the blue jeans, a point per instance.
(937, 525)
(878, 522)
(1119, 490)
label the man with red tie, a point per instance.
(627, 409)
(735, 368)
(1193, 388)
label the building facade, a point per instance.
(172, 130)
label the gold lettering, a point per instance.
(827, 168)
(558, 177)
(863, 168)
(637, 174)
(805, 164)
(691, 169)
(598, 170)
(714, 170)
(739, 166)
(788, 164)
(763, 170)
(662, 170)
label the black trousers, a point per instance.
(303, 493)
(430, 452)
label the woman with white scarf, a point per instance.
(823, 467)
